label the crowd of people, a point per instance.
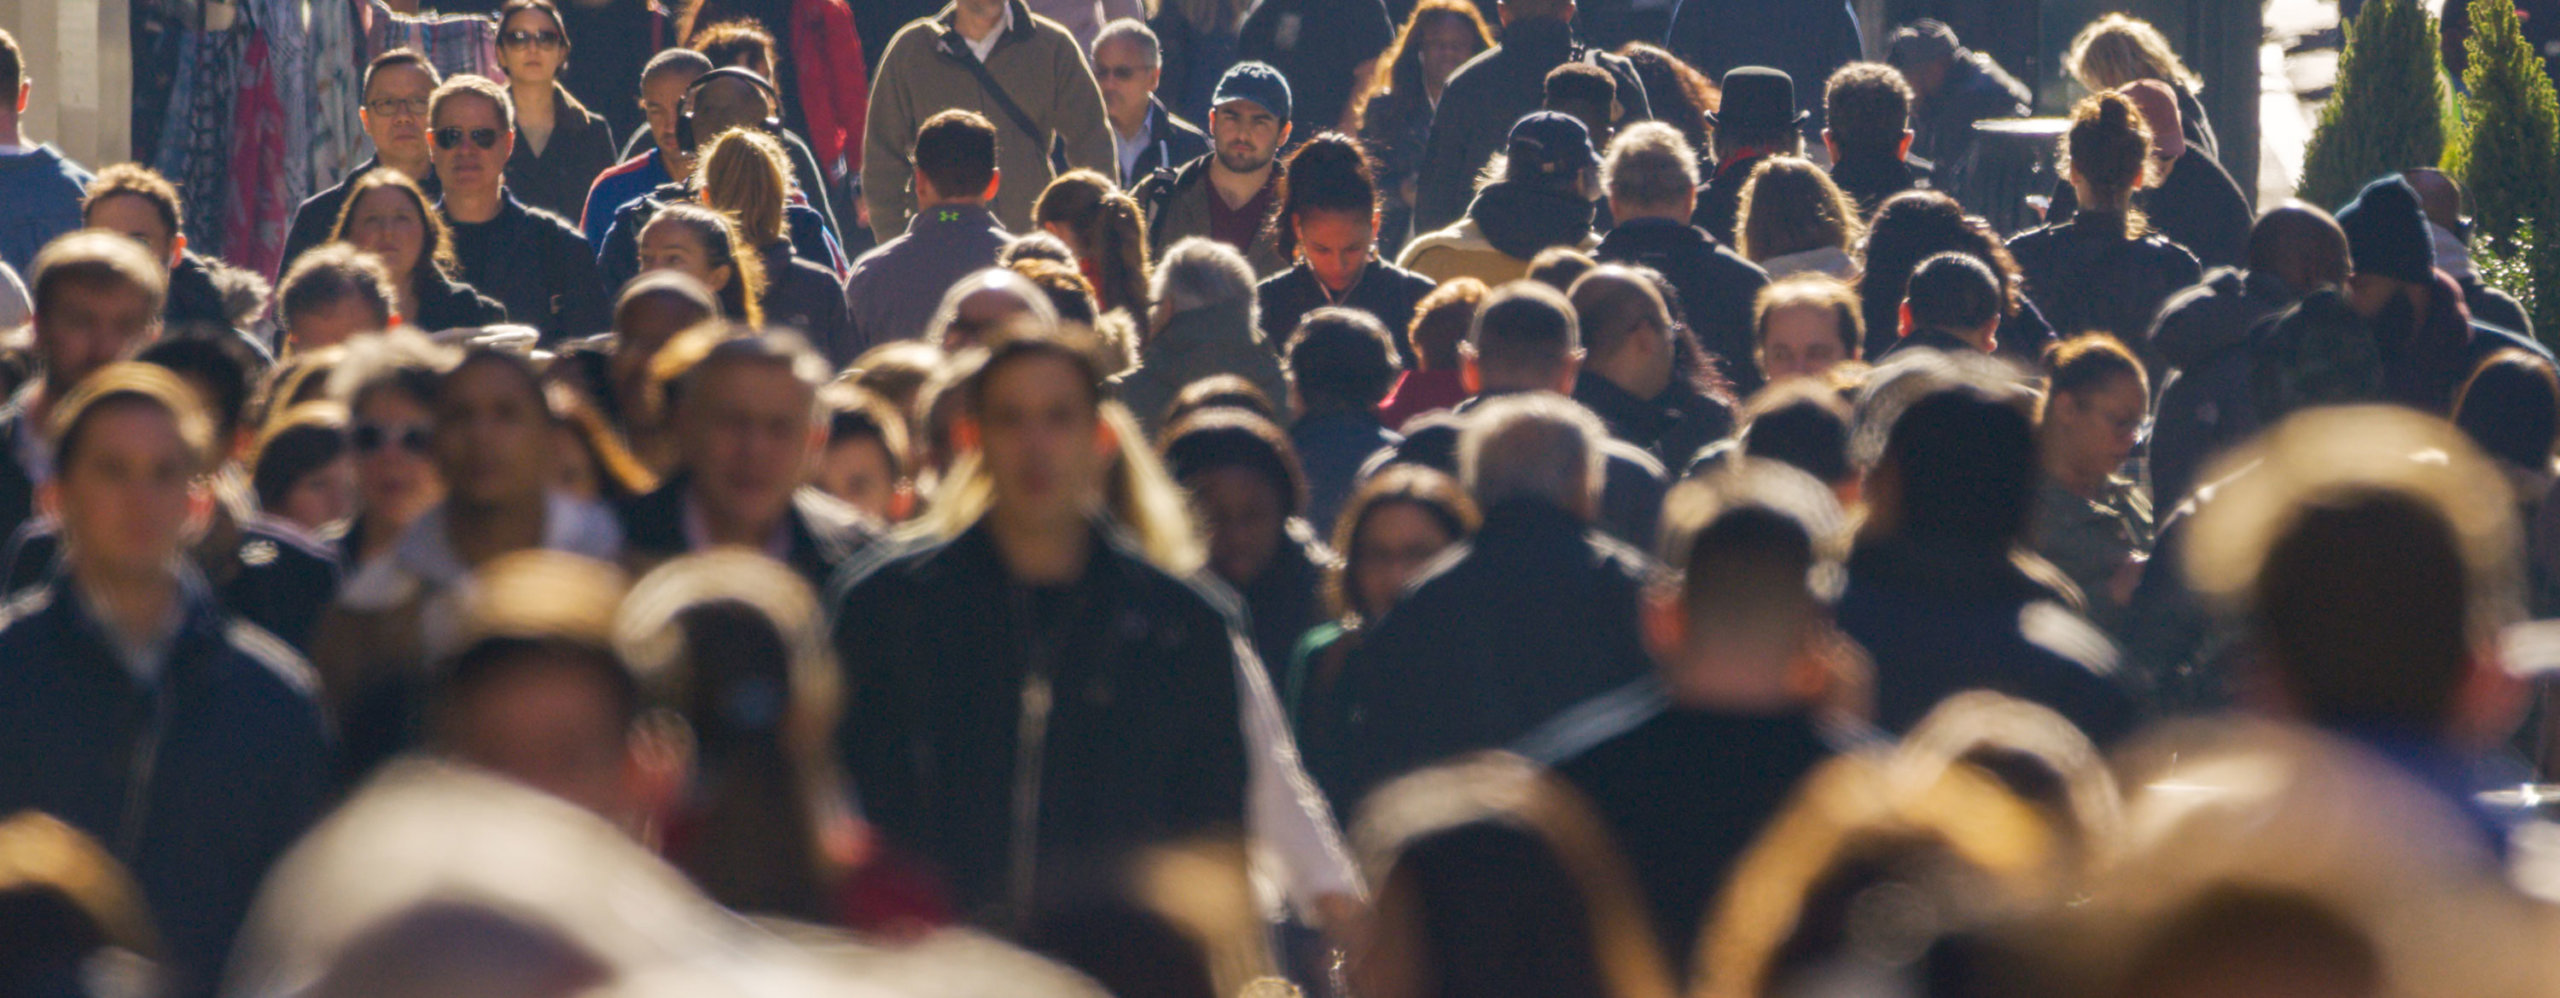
(899, 507)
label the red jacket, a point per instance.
(835, 93)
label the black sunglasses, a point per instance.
(372, 437)
(485, 138)
(521, 38)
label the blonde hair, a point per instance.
(2115, 50)
(1790, 206)
(746, 174)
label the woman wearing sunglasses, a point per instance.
(388, 216)
(386, 382)
(560, 145)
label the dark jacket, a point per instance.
(1177, 207)
(1384, 290)
(1536, 614)
(1127, 678)
(2321, 351)
(2085, 277)
(1806, 38)
(824, 533)
(1195, 344)
(803, 296)
(2198, 207)
(1316, 44)
(1673, 426)
(895, 288)
(2202, 335)
(1332, 448)
(1394, 129)
(1719, 208)
(615, 42)
(447, 304)
(1489, 94)
(1630, 498)
(1716, 286)
(556, 179)
(196, 783)
(318, 215)
(17, 483)
(1940, 620)
(537, 266)
(1868, 180)
(1942, 123)
(1285, 600)
(1171, 142)
(2192, 120)
(272, 575)
(619, 260)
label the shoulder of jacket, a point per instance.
(278, 660)
(22, 606)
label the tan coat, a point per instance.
(1462, 251)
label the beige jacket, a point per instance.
(1461, 250)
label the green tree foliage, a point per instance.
(2508, 157)
(2388, 112)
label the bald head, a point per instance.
(2301, 244)
(2438, 196)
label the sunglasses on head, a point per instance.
(371, 438)
(485, 138)
(521, 38)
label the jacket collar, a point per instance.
(1537, 36)
(967, 216)
(200, 623)
(1017, 26)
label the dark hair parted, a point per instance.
(1328, 173)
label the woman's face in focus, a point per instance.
(386, 223)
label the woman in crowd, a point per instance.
(386, 384)
(704, 244)
(1681, 96)
(1398, 521)
(2104, 270)
(820, 68)
(560, 145)
(305, 470)
(1327, 222)
(2116, 49)
(388, 216)
(1393, 113)
(1434, 380)
(1795, 220)
(1915, 225)
(2091, 523)
(866, 462)
(1105, 231)
(1247, 489)
(746, 175)
(1807, 325)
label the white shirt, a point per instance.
(1132, 147)
(980, 48)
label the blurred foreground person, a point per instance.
(71, 910)
(1686, 765)
(1393, 528)
(1248, 491)
(1030, 700)
(136, 708)
(97, 300)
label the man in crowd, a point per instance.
(747, 427)
(44, 187)
(326, 300)
(717, 101)
(100, 304)
(1758, 120)
(1226, 194)
(1951, 304)
(1651, 176)
(895, 289)
(1491, 92)
(1129, 63)
(662, 88)
(1477, 653)
(1012, 67)
(1868, 133)
(397, 85)
(2442, 199)
(1032, 702)
(1327, 49)
(1630, 376)
(1952, 87)
(1540, 209)
(204, 295)
(530, 261)
(135, 707)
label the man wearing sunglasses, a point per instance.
(531, 261)
(396, 87)
(1129, 62)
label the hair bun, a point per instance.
(2115, 111)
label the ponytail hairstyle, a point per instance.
(1111, 232)
(722, 246)
(2108, 154)
(1329, 173)
(745, 173)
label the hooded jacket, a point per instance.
(1508, 224)
(1214, 339)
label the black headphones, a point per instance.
(772, 101)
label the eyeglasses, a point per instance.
(485, 138)
(392, 107)
(370, 438)
(1119, 72)
(546, 39)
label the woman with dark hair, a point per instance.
(388, 216)
(1681, 96)
(1393, 113)
(2091, 522)
(1327, 223)
(705, 245)
(1247, 489)
(560, 145)
(1915, 225)
(1106, 231)
(2104, 270)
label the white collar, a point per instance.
(981, 49)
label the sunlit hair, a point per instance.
(745, 173)
(1420, 486)
(131, 383)
(2108, 153)
(2043, 760)
(1110, 228)
(1400, 66)
(436, 260)
(2088, 362)
(1811, 290)
(723, 245)
(2116, 49)
(135, 180)
(1791, 206)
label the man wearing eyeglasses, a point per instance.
(396, 86)
(1129, 62)
(531, 261)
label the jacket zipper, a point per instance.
(145, 769)
(1030, 756)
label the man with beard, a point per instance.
(1226, 194)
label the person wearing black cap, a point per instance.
(1759, 119)
(1804, 39)
(1485, 96)
(1323, 47)
(1543, 199)
(1954, 87)
(1226, 194)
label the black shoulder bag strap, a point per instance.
(959, 49)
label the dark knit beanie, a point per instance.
(2387, 232)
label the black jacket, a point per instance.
(803, 296)
(824, 533)
(1171, 142)
(17, 485)
(1384, 290)
(1630, 499)
(273, 575)
(1486, 97)
(1536, 614)
(1868, 180)
(447, 304)
(1316, 44)
(948, 663)
(1942, 123)
(2203, 336)
(2198, 207)
(319, 214)
(536, 265)
(1719, 208)
(196, 783)
(1525, 219)
(1283, 602)
(556, 179)
(1806, 38)
(2086, 278)
(1716, 286)
(1673, 426)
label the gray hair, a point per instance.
(1537, 445)
(1650, 165)
(1135, 32)
(1035, 302)
(1200, 273)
